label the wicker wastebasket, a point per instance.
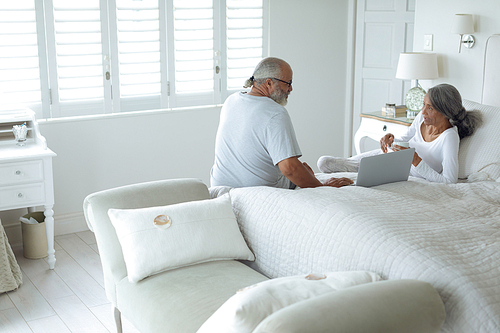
(34, 237)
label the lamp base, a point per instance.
(414, 101)
(411, 114)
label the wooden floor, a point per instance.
(70, 298)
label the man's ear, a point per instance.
(269, 84)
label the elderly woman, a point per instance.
(435, 134)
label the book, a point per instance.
(400, 111)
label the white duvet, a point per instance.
(447, 235)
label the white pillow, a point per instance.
(479, 154)
(183, 234)
(244, 311)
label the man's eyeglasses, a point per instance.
(289, 83)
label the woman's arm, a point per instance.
(449, 152)
(389, 138)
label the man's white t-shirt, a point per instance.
(255, 134)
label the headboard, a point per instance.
(491, 72)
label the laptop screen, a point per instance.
(385, 168)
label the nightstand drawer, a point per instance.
(22, 196)
(21, 172)
(379, 128)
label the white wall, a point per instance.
(312, 37)
(98, 153)
(463, 70)
(101, 153)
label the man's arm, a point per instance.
(302, 175)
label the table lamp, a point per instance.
(416, 66)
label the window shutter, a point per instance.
(194, 46)
(244, 40)
(77, 30)
(55, 54)
(139, 48)
(19, 66)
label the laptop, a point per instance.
(385, 168)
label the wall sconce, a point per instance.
(416, 66)
(464, 24)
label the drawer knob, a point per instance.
(20, 195)
(384, 128)
(18, 172)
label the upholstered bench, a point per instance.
(177, 288)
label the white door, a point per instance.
(384, 29)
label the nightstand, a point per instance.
(26, 171)
(374, 125)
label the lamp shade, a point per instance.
(417, 66)
(462, 24)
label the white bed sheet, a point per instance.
(447, 235)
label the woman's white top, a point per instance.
(439, 157)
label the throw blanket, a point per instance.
(447, 235)
(10, 273)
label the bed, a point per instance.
(447, 235)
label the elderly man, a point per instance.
(256, 143)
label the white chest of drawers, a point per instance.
(26, 179)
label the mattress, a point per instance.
(444, 234)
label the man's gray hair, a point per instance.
(266, 68)
(447, 100)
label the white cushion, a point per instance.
(194, 232)
(245, 310)
(479, 154)
(393, 306)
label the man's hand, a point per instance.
(338, 182)
(302, 175)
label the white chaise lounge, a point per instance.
(182, 299)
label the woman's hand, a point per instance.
(338, 182)
(398, 148)
(386, 141)
(416, 158)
